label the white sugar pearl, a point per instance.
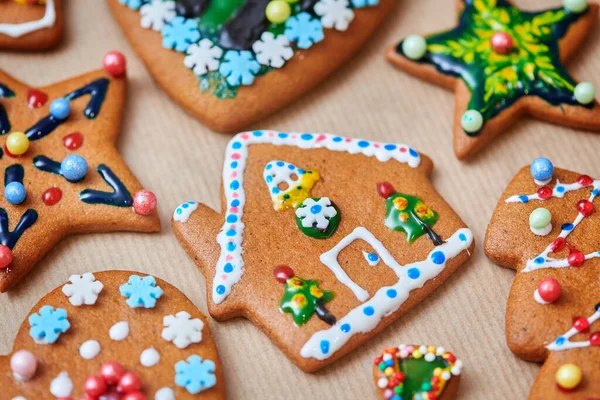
(423, 349)
(576, 6)
(440, 350)
(89, 349)
(164, 394)
(119, 331)
(149, 357)
(455, 370)
(414, 47)
(430, 357)
(382, 383)
(61, 386)
(387, 356)
(446, 375)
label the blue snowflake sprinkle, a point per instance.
(195, 375)
(180, 33)
(364, 3)
(304, 29)
(141, 291)
(239, 67)
(48, 324)
(133, 4)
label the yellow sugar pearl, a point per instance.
(431, 349)
(417, 354)
(17, 143)
(568, 376)
(278, 11)
(437, 371)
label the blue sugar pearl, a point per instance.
(542, 169)
(15, 193)
(60, 109)
(74, 168)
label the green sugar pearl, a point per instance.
(585, 93)
(472, 121)
(414, 47)
(576, 6)
(540, 218)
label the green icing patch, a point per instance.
(418, 374)
(217, 85)
(302, 298)
(409, 214)
(217, 14)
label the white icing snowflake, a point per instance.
(334, 14)
(203, 57)
(316, 213)
(157, 13)
(181, 330)
(83, 289)
(272, 50)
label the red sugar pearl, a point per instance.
(544, 192)
(585, 180)
(73, 141)
(134, 396)
(585, 207)
(595, 339)
(95, 386)
(8, 153)
(502, 43)
(581, 324)
(51, 196)
(283, 273)
(6, 256)
(549, 289)
(115, 64)
(144, 202)
(385, 189)
(129, 383)
(112, 372)
(558, 244)
(576, 258)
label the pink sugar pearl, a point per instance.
(23, 364)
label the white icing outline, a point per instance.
(572, 332)
(231, 235)
(17, 30)
(387, 299)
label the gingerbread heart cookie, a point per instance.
(545, 228)
(503, 63)
(323, 240)
(231, 63)
(114, 335)
(417, 372)
(62, 172)
(30, 24)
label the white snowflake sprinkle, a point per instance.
(316, 214)
(203, 57)
(334, 14)
(181, 330)
(272, 51)
(157, 13)
(83, 289)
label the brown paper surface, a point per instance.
(181, 160)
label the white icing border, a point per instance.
(17, 30)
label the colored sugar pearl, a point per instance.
(540, 221)
(60, 109)
(144, 202)
(129, 383)
(51, 196)
(73, 141)
(472, 121)
(36, 98)
(15, 193)
(115, 64)
(414, 47)
(595, 339)
(542, 170)
(6, 256)
(576, 6)
(502, 43)
(568, 376)
(581, 324)
(95, 386)
(112, 372)
(549, 290)
(585, 207)
(278, 11)
(585, 93)
(576, 258)
(23, 365)
(17, 143)
(74, 168)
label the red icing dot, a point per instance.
(558, 244)
(581, 324)
(283, 273)
(585, 180)
(585, 207)
(549, 289)
(595, 339)
(51, 196)
(144, 202)
(73, 141)
(8, 153)
(544, 192)
(575, 258)
(385, 189)
(6, 256)
(36, 98)
(114, 63)
(402, 149)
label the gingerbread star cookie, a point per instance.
(30, 24)
(231, 63)
(417, 372)
(323, 240)
(62, 172)
(545, 227)
(113, 335)
(503, 63)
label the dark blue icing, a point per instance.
(9, 238)
(120, 197)
(14, 173)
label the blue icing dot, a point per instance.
(236, 145)
(438, 257)
(282, 135)
(306, 136)
(230, 246)
(269, 179)
(301, 171)
(595, 192)
(280, 163)
(539, 260)
(235, 203)
(257, 133)
(231, 232)
(395, 397)
(369, 311)
(275, 190)
(390, 147)
(324, 346)
(524, 199)
(560, 189)
(185, 205)
(235, 185)
(413, 153)
(269, 166)
(391, 293)
(234, 164)
(220, 289)
(228, 268)
(337, 139)
(292, 167)
(363, 143)
(316, 209)
(560, 341)
(345, 328)
(179, 211)
(373, 257)
(232, 218)
(414, 273)
(462, 237)
(567, 227)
